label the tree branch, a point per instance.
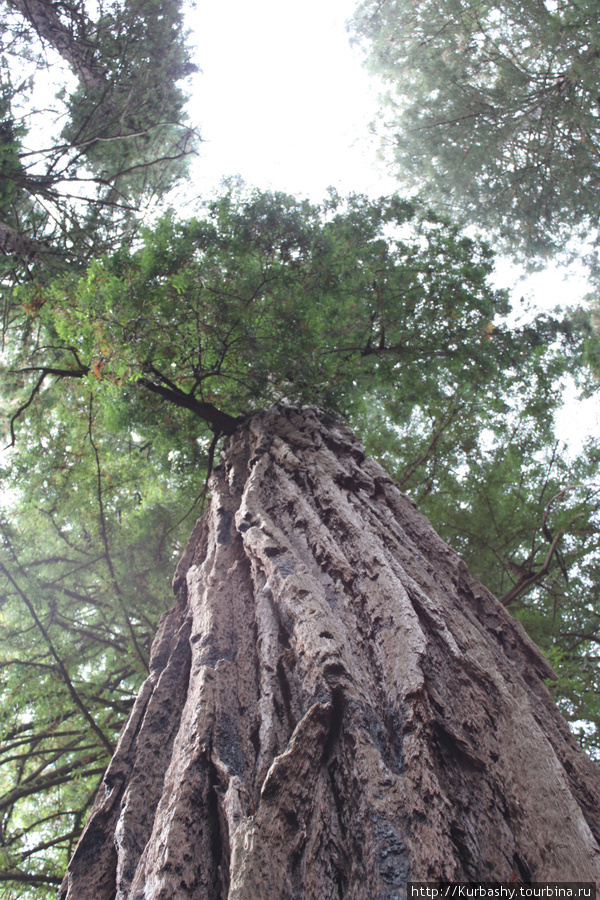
(107, 556)
(528, 581)
(216, 418)
(44, 370)
(61, 666)
(451, 413)
(28, 878)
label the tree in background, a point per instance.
(77, 169)
(493, 111)
(122, 381)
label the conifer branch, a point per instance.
(61, 666)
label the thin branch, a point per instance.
(61, 666)
(560, 495)
(445, 421)
(107, 555)
(76, 145)
(60, 839)
(63, 775)
(44, 371)
(528, 581)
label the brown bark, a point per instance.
(335, 705)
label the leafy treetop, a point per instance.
(268, 298)
(493, 110)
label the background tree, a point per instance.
(122, 380)
(493, 111)
(77, 172)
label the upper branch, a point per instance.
(216, 418)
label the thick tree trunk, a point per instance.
(335, 705)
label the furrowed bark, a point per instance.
(335, 705)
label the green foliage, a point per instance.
(585, 320)
(118, 380)
(269, 298)
(493, 110)
(77, 174)
(10, 166)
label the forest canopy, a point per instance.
(493, 112)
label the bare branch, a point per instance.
(44, 371)
(526, 582)
(107, 555)
(216, 418)
(28, 878)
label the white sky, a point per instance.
(283, 100)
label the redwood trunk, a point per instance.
(335, 705)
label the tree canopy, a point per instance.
(119, 381)
(92, 124)
(493, 110)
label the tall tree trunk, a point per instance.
(42, 15)
(335, 705)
